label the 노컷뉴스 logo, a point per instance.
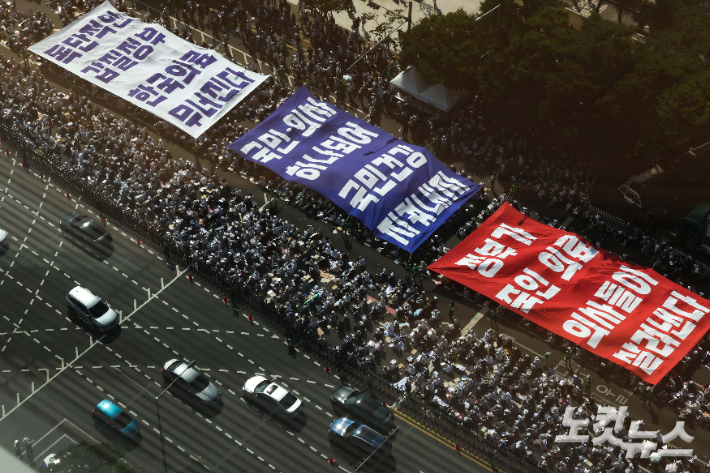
(638, 440)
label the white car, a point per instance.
(3, 237)
(192, 382)
(272, 397)
(91, 309)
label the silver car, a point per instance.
(192, 382)
(84, 228)
(3, 238)
(91, 309)
(272, 397)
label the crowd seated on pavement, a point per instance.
(384, 322)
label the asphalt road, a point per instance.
(59, 369)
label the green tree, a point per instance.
(550, 76)
(684, 112)
(531, 7)
(385, 24)
(445, 49)
(668, 84)
(451, 48)
(625, 6)
(592, 90)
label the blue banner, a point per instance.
(399, 191)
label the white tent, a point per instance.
(410, 81)
(442, 97)
(435, 95)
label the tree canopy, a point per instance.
(594, 89)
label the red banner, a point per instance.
(626, 313)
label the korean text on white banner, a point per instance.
(399, 191)
(188, 86)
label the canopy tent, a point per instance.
(442, 97)
(410, 81)
(435, 95)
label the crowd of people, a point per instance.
(17, 32)
(382, 321)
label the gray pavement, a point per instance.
(420, 9)
(59, 370)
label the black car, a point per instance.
(84, 228)
(367, 409)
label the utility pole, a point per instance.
(498, 20)
(409, 18)
(497, 7)
(372, 48)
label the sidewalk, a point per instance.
(420, 9)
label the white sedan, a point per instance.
(91, 309)
(3, 237)
(272, 397)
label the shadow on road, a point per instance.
(295, 425)
(99, 252)
(378, 463)
(102, 337)
(116, 438)
(190, 401)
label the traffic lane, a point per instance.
(192, 305)
(42, 309)
(74, 256)
(34, 351)
(71, 395)
(124, 252)
(46, 320)
(29, 312)
(45, 298)
(427, 451)
(225, 367)
(226, 336)
(229, 359)
(34, 422)
(236, 420)
(22, 219)
(24, 366)
(226, 370)
(316, 395)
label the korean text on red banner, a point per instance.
(626, 313)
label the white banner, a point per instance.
(184, 84)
